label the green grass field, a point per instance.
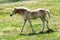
(10, 27)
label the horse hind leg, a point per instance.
(47, 24)
(43, 21)
(49, 30)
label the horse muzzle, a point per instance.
(10, 14)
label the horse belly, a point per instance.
(35, 16)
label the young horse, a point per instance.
(32, 14)
(23, 12)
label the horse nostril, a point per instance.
(10, 15)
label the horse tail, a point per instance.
(48, 12)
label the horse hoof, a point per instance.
(49, 30)
(41, 32)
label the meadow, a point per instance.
(10, 27)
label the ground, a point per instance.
(10, 27)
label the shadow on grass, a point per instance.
(31, 34)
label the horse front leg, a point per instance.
(31, 26)
(24, 22)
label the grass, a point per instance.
(10, 27)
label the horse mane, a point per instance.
(22, 8)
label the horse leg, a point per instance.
(43, 25)
(47, 24)
(49, 30)
(31, 25)
(23, 25)
(43, 21)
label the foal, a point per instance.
(32, 14)
(23, 12)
